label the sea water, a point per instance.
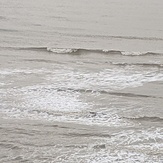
(81, 81)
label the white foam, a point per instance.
(61, 51)
(142, 137)
(46, 102)
(55, 99)
(6, 72)
(105, 79)
(48, 97)
(105, 50)
(133, 53)
(104, 150)
(2, 84)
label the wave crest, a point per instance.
(85, 51)
(101, 51)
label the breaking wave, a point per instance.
(101, 51)
(80, 51)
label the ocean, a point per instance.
(81, 81)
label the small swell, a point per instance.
(88, 135)
(147, 119)
(41, 60)
(107, 92)
(138, 64)
(32, 48)
(118, 37)
(138, 38)
(8, 30)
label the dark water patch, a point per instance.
(3, 18)
(8, 30)
(32, 48)
(88, 135)
(101, 146)
(41, 60)
(56, 126)
(76, 146)
(138, 64)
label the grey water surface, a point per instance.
(81, 81)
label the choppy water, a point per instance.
(81, 81)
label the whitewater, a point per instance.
(81, 81)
